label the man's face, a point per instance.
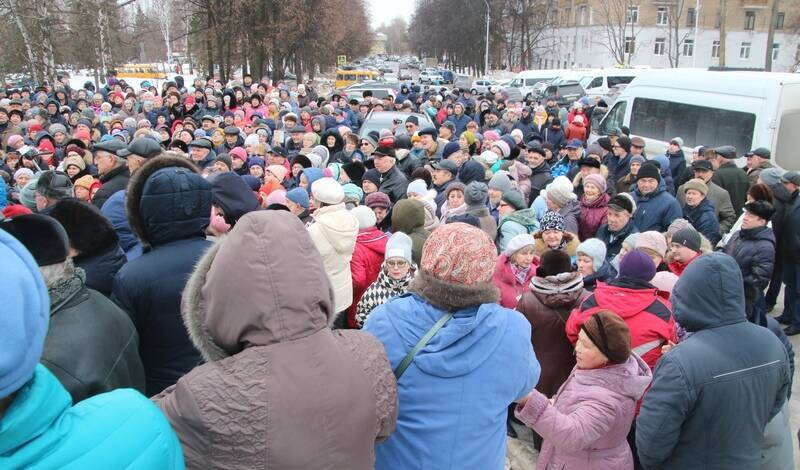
(297, 137)
(411, 128)
(441, 176)
(617, 220)
(491, 119)
(574, 154)
(646, 185)
(681, 253)
(198, 154)
(275, 159)
(674, 148)
(495, 195)
(207, 125)
(367, 147)
(753, 161)
(704, 175)
(134, 163)
(445, 133)
(104, 161)
(427, 142)
(383, 163)
(694, 197)
(636, 150)
(231, 139)
(534, 159)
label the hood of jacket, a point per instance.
(338, 226)
(561, 290)
(233, 195)
(520, 170)
(338, 146)
(525, 217)
(625, 301)
(629, 379)
(321, 121)
(372, 239)
(168, 200)
(709, 293)
(408, 215)
(282, 305)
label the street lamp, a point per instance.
(486, 55)
(696, 39)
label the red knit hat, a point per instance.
(45, 146)
(459, 253)
(14, 210)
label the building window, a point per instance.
(779, 19)
(633, 15)
(583, 15)
(797, 54)
(688, 47)
(630, 44)
(661, 44)
(691, 17)
(775, 50)
(718, 19)
(744, 50)
(715, 50)
(749, 20)
(661, 16)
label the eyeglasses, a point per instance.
(399, 263)
(616, 146)
(364, 144)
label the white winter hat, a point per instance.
(365, 215)
(399, 246)
(517, 243)
(560, 191)
(489, 156)
(417, 187)
(328, 191)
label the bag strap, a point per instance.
(421, 344)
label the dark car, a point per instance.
(385, 119)
(565, 92)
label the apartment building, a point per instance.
(666, 33)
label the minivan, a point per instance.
(600, 82)
(743, 109)
(522, 86)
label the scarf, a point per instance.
(520, 273)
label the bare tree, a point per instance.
(723, 8)
(675, 37)
(529, 29)
(619, 28)
(162, 9)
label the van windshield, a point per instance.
(696, 125)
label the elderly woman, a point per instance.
(552, 236)
(514, 269)
(395, 275)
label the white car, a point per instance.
(483, 86)
(430, 77)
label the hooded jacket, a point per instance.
(274, 370)
(721, 201)
(231, 193)
(365, 265)
(684, 426)
(408, 216)
(515, 223)
(334, 233)
(656, 210)
(704, 219)
(169, 205)
(455, 394)
(648, 315)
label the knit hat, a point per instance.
(27, 195)
(77, 161)
(760, 209)
(417, 187)
(505, 150)
(352, 192)
(13, 210)
(560, 191)
(517, 243)
(664, 281)
(594, 249)
(553, 262)
(450, 148)
(399, 246)
(454, 186)
(770, 176)
(276, 197)
(378, 199)
(637, 159)
(42, 235)
(256, 161)
(514, 199)
(225, 159)
(366, 217)
(676, 225)
(238, 152)
(552, 221)
(475, 194)
(596, 180)
(54, 184)
(649, 170)
(327, 191)
(26, 313)
(23, 171)
(637, 265)
(372, 176)
(697, 184)
(653, 241)
(500, 181)
(459, 254)
(279, 171)
(688, 237)
(610, 334)
(299, 196)
(487, 156)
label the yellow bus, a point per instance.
(345, 78)
(141, 71)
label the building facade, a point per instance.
(669, 33)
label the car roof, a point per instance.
(383, 120)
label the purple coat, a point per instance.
(587, 425)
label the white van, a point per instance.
(599, 82)
(523, 83)
(743, 109)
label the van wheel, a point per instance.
(474, 91)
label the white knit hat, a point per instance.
(365, 215)
(560, 191)
(399, 246)
(519, 242)
(417, 187)
(328, 191)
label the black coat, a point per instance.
(394, 184)
(540, 178)
(101, 268)
(614, 241)
(734, 180)
(113, 181)
(754, 252)
(790, 233)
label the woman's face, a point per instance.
(455, 198)
(635, 168)
(523, 257)
(308, 141)
(296, 169)
(303, 182)
(368, 187)
(73, 170)
(462, 142)
(591, 191)
(397, 268)
(586, 353)
(552, 238)
(330, 141)
(256, 171)
(380, 213)
(81, 193)
(585, 264)
(23, 180)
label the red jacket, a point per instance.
(576, 130)
(365, 265)
(678, 268)
(510, 288)
(647, 314)
(593, 215)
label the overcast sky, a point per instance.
(383, 11)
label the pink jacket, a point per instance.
(510, 288)
(587, 425)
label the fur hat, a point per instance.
(42, 235)
(355, 170)
(594, 249)
(610, 334)
(328, 191)
(637, 265)
(398, 246)
(554, 262)
(761, 209)
(89, 232)
(366, 217)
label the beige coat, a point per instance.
(279, 389)
(334, 233)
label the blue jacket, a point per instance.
(454, 396)
(119, 429)
(657, 210)
(703, 218)
(613, 240)
(114, 210)
(459, 122)
(708, 410)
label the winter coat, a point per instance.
(605, 274)
(273, 369)
(576, 130)
(522, 175)
(113, 181)
(409, 218)
(613, 240)
(114, 210)
(754, 252)
(754, 173)
(365, 265)
(101, 268)
(684, 427)
(790, 232)
(593, 214)
(233, 196)
(587, 425)
(704, 219)
(655, 211)
(91, 345)
(511, 289)
(41, 429)
(488, 224)
(460, 122)
(515, 223)
(441, 196)
(648, 316)
(555, 137)
(169, 206)
(547, 307)
(394, 184)
(572, 215)
(677, 164)
(618, 167)
(379, 292)
(469, 373)
(540, 178)
(733, 179)
(569, 244)
(721, 201)
(334, 233)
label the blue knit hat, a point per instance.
(299, 196)
(26, 313)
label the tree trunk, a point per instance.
(723, 6)
(771, 36)
(14, 10)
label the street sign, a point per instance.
(341, 60)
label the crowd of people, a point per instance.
(290, 293)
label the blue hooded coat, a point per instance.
(657, 210)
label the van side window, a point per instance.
(697, 125)
(615, 118)
(786, 146)
(614, 81)
(597, 82)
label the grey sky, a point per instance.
(383, 11)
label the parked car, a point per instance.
(565, 93)
(385, 119)
(446, 75)
(483, 86)
(430, 77)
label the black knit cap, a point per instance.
(42, 235)
(649, 170)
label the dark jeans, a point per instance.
(791, 295)
(775, 283)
